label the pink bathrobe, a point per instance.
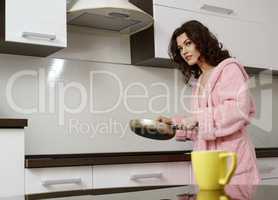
(223, 113)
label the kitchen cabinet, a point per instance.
(145, 174)
(11, 162)
(32, 27)
(244, 34)
(55, 179)
(45, 180)
(268, 168)
(236, 9)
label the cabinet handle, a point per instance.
(266, 169)
(39, 35)
(143, 176)
(217, 9)
(61, 181)
(270, 178)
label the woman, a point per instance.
(222, 106)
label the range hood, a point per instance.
(112, 15)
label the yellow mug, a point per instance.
(212, 195)
(211, 168)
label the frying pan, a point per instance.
(152, 129)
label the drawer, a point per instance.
(238, 9)
(148, 174)
(43, 180)
(268, 167)
(269, 181)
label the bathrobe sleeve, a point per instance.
(183, 135)
(234, 109)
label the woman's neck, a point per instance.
(204, 66)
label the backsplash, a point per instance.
(85, 107)
(80, 100)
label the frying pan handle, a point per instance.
(176, 127)
(181, 127)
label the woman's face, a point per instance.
(188, 50)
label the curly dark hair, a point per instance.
(206, 43)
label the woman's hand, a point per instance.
(165, 120)
(189, 122)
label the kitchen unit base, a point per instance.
(12, 157)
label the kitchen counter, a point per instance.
(63, 160)
(191, 192)
(13, 123)
(266, 152)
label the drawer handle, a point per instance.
(61, 181)
(270, 178)
(144, 176)
(266, 169)
(217, 9)
(39, 35)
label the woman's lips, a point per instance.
(188, 57)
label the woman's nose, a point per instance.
(184, 51)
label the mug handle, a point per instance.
(226, 179)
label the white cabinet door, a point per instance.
(36, 22)
(245, 40)
(11, 162)
(43, 180)
(146, 174)
(251, 10)
(268, 168)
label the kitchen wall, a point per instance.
(80, 100)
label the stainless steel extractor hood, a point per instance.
(112, 15)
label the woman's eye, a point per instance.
(188, 43)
